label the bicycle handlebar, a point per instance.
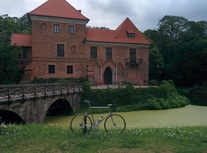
(87, 101)
(111, 106)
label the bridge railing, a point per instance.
(9, 93)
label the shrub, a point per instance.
(152, 104)
(58, 80)
(163, 103)
(163, 97)
(87, 92)
(153, 82)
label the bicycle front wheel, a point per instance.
(115, 123)
(81, 123)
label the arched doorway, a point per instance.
(108, 77)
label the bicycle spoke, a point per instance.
(115, 123)
(78, 125)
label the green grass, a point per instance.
(53, 139)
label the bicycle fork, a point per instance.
(85, 125)
(112, 120)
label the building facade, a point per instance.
(62, 46)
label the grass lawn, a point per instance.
(170, 131)
(53, 139)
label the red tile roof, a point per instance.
(21, 40)
(58, 8)
(61, 8)
(117, 36)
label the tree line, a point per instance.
(9, 72)
(178, 51)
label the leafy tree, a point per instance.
(8, 54)
(156, 61)
(24, 24)
(182, 44)
(170, 32)
(192, 54)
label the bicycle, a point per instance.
(83, 123)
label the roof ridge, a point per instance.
(58, 8)
(100, 29)
(119, 35)
(38, 6)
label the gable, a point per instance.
(125, 33)
(58, 8)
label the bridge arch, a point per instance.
(10, 117)
(60, 107)
(30, 103)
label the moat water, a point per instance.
(186, 116)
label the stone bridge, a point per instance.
(28, 103)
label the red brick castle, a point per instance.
(62, 46)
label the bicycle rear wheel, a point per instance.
(78, 125)
(115, 123)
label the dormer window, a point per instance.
(130, 33)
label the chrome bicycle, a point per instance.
(84, 123)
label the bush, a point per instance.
(163, 103)
(58, 80)
(153, 83)
(163, 97)
(152, 104)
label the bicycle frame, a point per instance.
(85, 122)
(94, 123)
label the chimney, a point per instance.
(79, 11)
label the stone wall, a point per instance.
(34, 110)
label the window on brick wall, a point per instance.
(93, 52)
(108, 53)
(71, 30)
(60, 50)
(51, 69)
(25, 54)
(132, 56)
(56, 28)
(69, 69)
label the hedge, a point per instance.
(58, 80)
(164, 96)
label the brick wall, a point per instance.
(121, 71)
(44, 48)
(78, 54)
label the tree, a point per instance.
(170, 32)
(9, 71)
(183, 45)
(156, 61)
(192, 54)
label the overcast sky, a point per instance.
(145, 14)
